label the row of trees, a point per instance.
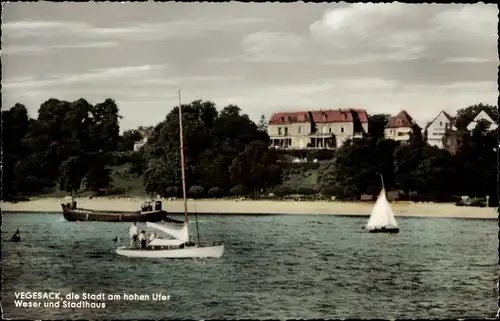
(70, 143)
(73, 144)
(222, 149)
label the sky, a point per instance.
(265, 58)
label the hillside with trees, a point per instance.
(76, 148)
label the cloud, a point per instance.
(117, 74)
(127, 32)
(41, 49)
(399, 31)
(385, 32)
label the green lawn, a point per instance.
(125, 184)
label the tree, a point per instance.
(97, 177)
(15, 126)
(67, 135)
(355, 168)
(129, 138)
(256, 167)
(211, 141)
(216, 192)
(239, 190)
(196, 191)
(262, 126)
(72, 172)
(159, 175)
(376, 125)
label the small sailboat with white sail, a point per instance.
(382, 218)
(179, 246)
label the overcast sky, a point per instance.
(262, 57)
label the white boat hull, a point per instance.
(184, 253)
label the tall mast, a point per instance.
(182, 161)
(382, 179)
(183, 172)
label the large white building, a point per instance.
(316, 129)
(436, 129)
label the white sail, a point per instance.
(382, 215)
(181, 234)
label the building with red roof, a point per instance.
(316, 129)
(400, 127)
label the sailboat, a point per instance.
(179, 246)
(382, 218)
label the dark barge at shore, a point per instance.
(146, 214)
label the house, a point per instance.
(316, 129)
(401, 127)
(454, 139)
(436, 129)
(482, 116)
(138, 145)
(146, 133)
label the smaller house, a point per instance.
(401, 127)
(436, 129)
(482, 116)
(146, 132)
(138, 145)
(454, 139)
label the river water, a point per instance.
(280, 267)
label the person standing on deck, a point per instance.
(143, 239)
(133, 234)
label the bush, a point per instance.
(281, 191)
(373, 190)
(306, 191)
(216, 192)
(328, 191)
(321, 154)
(239, 190)
(300, 166)
(172, 191)
(196, 191)
(111, 190)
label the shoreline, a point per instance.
(257, 207)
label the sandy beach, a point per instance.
(444, 210)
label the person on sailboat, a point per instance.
(133, 234)
(143, 239)
(16, 237)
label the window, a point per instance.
(341, 129)
(279, 130)
(398, 122)
(286, 131)
(300, 129)
(441, 123)
(329, 130)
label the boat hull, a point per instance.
(80, 214)
(384, 230)
(215, 251)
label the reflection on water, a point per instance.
(273, 267)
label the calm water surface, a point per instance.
(273, 267)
